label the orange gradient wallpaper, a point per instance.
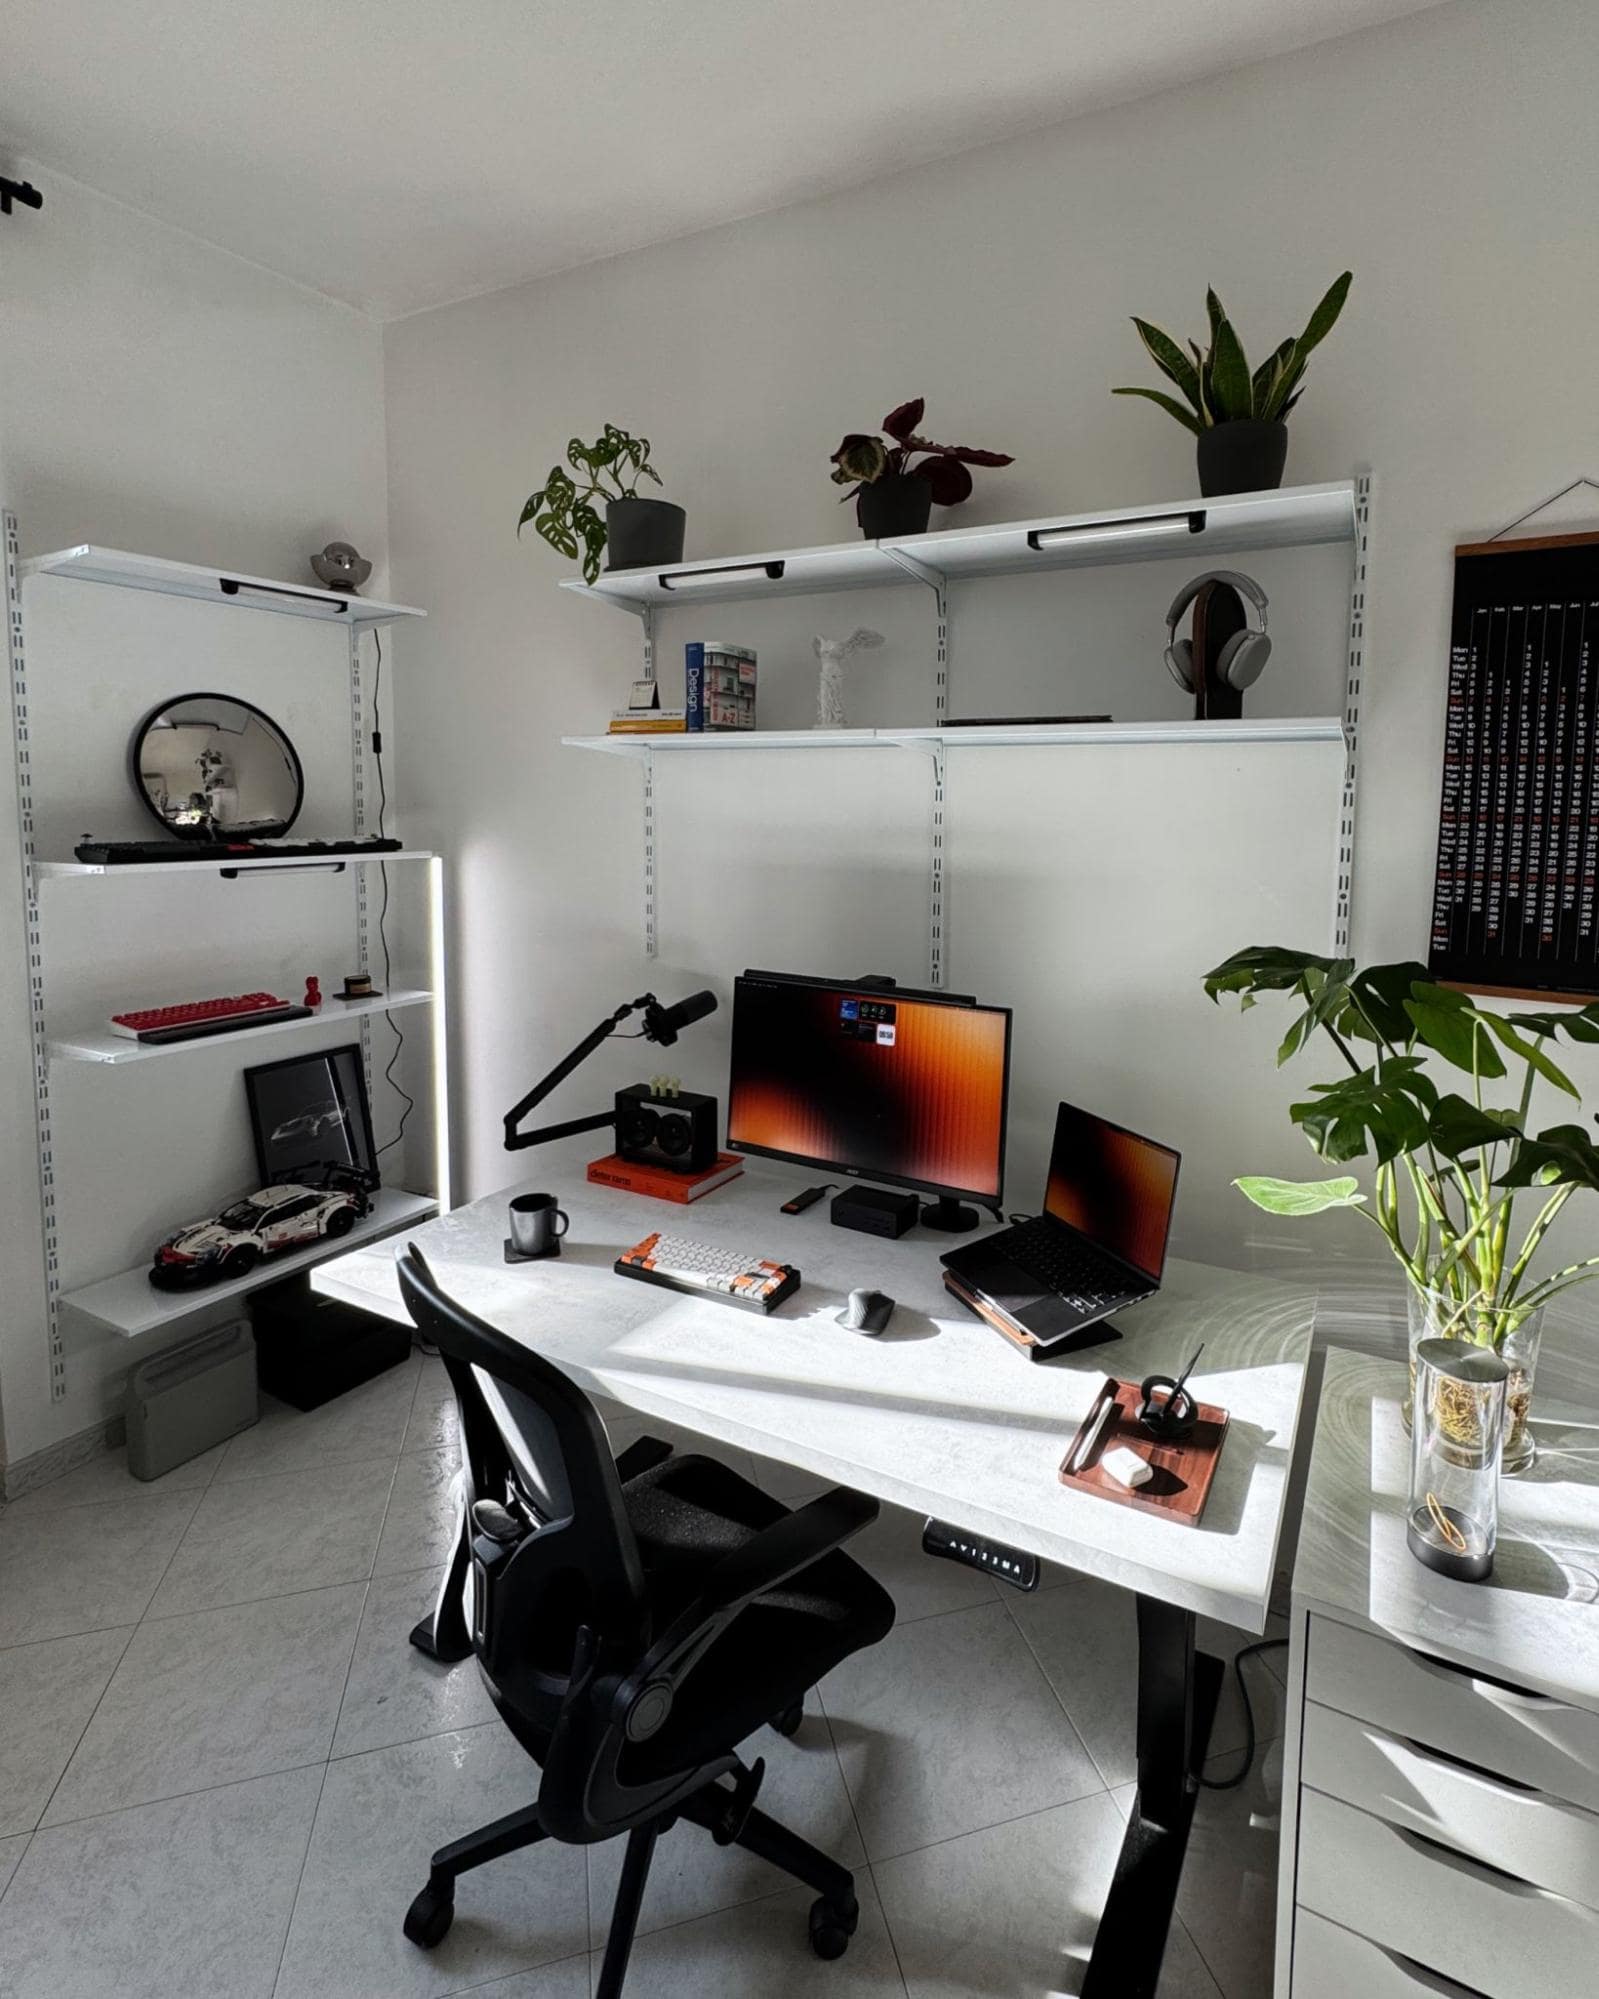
(1113, 1186)
(893, 1088)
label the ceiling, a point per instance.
(399, 154)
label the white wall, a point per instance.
(1450, 160)
(157, 395)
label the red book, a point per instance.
(660, 1181)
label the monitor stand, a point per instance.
(953, 1216)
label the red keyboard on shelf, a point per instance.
(211, 1016)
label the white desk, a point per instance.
(938, 1414)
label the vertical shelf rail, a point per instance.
(647, 765)
(33, 944)
(1355, 673)
(358, 811)
(936, 915)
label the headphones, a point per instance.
(1243, 658)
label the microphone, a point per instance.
(665, 1023)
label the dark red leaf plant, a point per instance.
(862, 459)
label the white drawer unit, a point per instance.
(1440, 1814)
(1336, 1964)
(1522, 1832)
(1552, 1745)
(1453, 1915)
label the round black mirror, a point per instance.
(211, 767)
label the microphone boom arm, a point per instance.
(660, 1024)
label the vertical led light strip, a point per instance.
(440, 1016)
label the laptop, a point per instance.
(1049, 1284)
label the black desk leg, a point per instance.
(1177, 1691)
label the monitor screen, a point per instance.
(1113, 1187)
(903, 1088)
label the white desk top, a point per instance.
(1535, 1621)
(938, 1414)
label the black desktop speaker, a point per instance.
(654, 1129)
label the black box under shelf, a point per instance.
(310, 1348)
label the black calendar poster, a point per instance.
(1518, 823)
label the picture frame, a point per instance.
(309, 1116)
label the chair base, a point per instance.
(833, 1916)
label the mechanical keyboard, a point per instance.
(704, 1269)
(138, 853)
(197, 1017)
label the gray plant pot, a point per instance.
(1243, 457)
(643, 534)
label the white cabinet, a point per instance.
(1441, 1787)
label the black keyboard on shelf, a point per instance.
(1080, 1276)
(138, 853)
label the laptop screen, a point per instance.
(1113, 1187)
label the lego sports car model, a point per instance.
(263, 1224)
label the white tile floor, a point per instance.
(222, 1768)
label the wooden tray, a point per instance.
(1183, 1471)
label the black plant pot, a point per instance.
(643, 534)
(1243, 457)
(898, 503)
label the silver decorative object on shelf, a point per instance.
(830, 685)
(340, 567)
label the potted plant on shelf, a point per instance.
(641, 534)
(1465, 1161)
(1238, 416)
(895, 485)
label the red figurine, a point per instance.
(313, 993)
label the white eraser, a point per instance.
(1126, 1467)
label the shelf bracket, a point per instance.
(1355, 672)
(22, 764)
(358, 813)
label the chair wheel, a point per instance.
(428, 1920)
(832, 1926)
(790, 1720)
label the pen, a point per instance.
(1182, 1379)
(1085, 1448)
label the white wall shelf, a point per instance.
(987, 735)
(218, 586)
(1203, 531)
(130, 1305)
(102, 1047)
(1293, 517)
(296, 863)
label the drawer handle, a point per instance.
(1463, 1863)
(1498, 1691)
(1433, 1981)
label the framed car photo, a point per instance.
(311, 1113)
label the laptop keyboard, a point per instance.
(1083, 1279)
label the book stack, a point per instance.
(647, 722)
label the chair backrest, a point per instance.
(560, 1613)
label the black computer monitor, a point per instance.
(878, 1082)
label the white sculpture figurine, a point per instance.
(830, 687)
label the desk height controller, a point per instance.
(954, 1544)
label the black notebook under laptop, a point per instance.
(1050, 1283)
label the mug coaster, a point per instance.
(515, 1255)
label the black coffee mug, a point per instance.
(537, 1225)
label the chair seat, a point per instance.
(687, 1513)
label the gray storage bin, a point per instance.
(190, 1398)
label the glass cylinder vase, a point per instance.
(1456, 1440)
(1507, 1330)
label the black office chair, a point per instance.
(635, 1620)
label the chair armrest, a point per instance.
(641, 1456)
(765, 1562)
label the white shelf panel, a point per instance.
(1291, 517)
(298, 863)
(130, 1304)
(116, 1050)
(988, 735)
(217, 586)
